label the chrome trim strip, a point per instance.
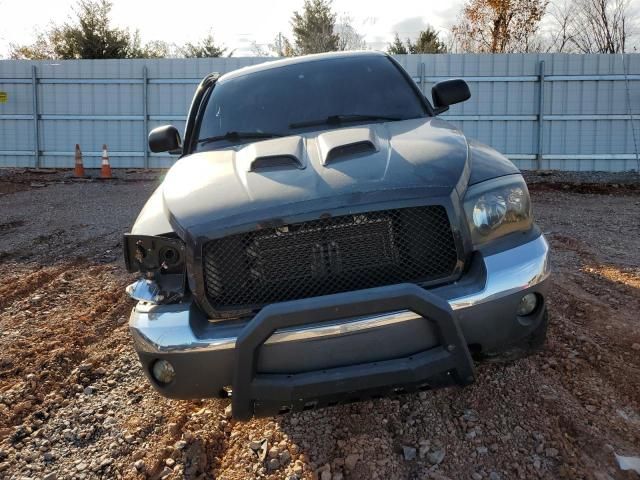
(343, 328)
(166, 328)
(509, 272)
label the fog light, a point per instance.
(163, 371)
(527, 304)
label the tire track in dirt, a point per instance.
(6, 227)
(591, 359)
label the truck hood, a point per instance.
(316, 171)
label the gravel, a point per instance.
(74, 402)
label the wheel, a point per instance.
(538, 337)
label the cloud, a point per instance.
(409, 27)
(447, 16)
(442, 17)
(378, 42)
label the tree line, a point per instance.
(482, 26)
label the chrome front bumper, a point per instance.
(159, 329)
(296, 359)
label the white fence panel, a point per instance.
(559, 111)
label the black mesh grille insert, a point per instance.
(331, 255)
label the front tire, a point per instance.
(530, 345)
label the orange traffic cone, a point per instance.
(105, 171)
(78, 171)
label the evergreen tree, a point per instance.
(313, 28)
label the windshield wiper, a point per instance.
(339, 119)
(239, 136)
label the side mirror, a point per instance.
(165, 139)
(448, 92)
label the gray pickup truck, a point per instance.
(325, 238)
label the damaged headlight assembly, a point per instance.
(161, 262)
(498, 207)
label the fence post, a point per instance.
(625, 70)
(34, 99)
(145, 115)
(540, 115)
(422, 79)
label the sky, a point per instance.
(235, 23)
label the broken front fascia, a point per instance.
(161, 261)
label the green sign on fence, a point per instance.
(4, 97)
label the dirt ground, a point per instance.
(74, 402)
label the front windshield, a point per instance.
(274, 101)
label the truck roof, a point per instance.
(296, 60)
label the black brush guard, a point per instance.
(261, 394)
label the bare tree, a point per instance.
(561, 33)
(600, 26)
(499, 26)
(348, 37)
(590, 26)
(152, 49)
(42, 48)
(259, 50)
(281, 46)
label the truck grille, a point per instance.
(329, 255)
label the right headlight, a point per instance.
(161, 262)
(497, 207)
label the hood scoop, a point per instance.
(347, 143)
(277, 154)
(274, 161)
